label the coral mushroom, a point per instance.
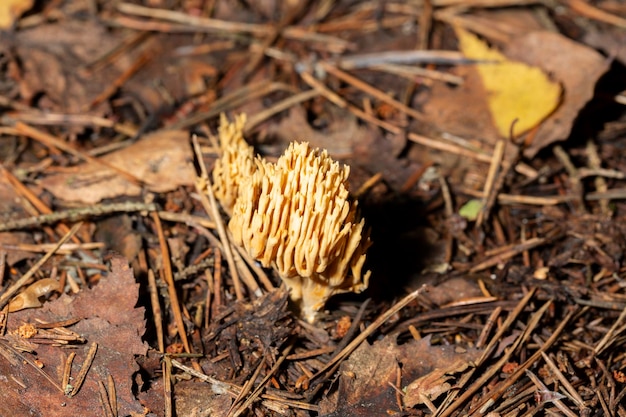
(296, 216)
(235, 164)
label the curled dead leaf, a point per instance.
(30, 297)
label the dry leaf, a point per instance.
(576, 66)
(10, 10)
(110, 319)
(365, 378)
(516, 92)
(433, 384)
(161, 160)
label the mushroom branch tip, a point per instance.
(297, 217)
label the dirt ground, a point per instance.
(449, 241)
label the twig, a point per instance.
(67, 371)
(214, 25)
(509, 252)
(588, 10)
(84, 369)
(188, 219)
(35, 202)
(574, 177)
(489, 193)
(351, 62)
(282, 105)
(333, 97)
(103, 396)
(412, 72)
(76, 214)
(171, 287)
(112, 394)
(600, 183)
(36, 117)
(368, 89)
(167, 386)
(156, 310)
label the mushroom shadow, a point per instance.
(400, 249)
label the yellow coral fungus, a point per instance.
(297, 217)
(235, 164)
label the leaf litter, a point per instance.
(523, 308)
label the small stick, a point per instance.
(340, 102)
(247, 387)
(207, 299)
(188, 219)
(74, 215)
(156, 310)
(588, 10)
(110, 56)
(600, 183)
(282, 105)
(112, 394)
(104, 400)
(412, 72)
(512, 250)
(323, 90)
(491, 321)
(214, 25)
(167, 386)
(67, 371)
(409, 57)
(252, 264)
(238, 97)
(82, 374)
(574, 177)
(34, 116)
(368, 89)
(3, 262)
(36, 206)
(205, 191)
(489, 192)
(169, 280)
(610, 336)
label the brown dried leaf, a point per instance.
(111, 320)
(433, 384)
(365, 378)
(576, 66)
(161, 160)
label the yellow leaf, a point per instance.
(515, 91)
(11, 10)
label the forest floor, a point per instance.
(486, 142)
